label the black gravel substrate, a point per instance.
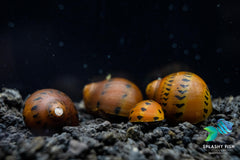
(97, 138)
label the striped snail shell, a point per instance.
(184, 96)
(49, 109)
(146, 111)
(114, 96)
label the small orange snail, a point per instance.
(184, 96)
(114, 96)
(146, 111)
(49, 109)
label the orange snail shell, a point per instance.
(184, 96)
(116, 96)
(146, 111)
(49, 109)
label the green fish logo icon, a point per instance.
(224, 128)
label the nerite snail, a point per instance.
(114, 96)
(146, 111)
(184, 96)
(49, 109)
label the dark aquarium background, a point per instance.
(67, 44)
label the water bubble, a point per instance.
(85, 66)
(100, 71)
(227, 80)
(122, 40)
(61, 7)
(101, 15)
(170, 7)
(197, 57)
(171, 36)
(53, 55)
(219, 50)
(195, 45)
(60, 43)
(174, 45)
(185, 8)
(11, 24)
(186, 52)
(108, 56)
(26, 61)
(218, 5)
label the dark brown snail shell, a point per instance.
(49, 109)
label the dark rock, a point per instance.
(158, 132)
(11, 119)
(134, 133)
(107, 138)
(91, 142)
(136, 155)
(42, 156)
(149, 137)
(179, 149)
(74, 131)
(236, 149)
(153, 147)
(198, 138)
(162, 142)
(186, 140)
(169, 154)
(28, 149)
(11, 98)
(131, 142)
(76, 147)
(186, 126)
(165, 130)
(104, 126)
(57, 149)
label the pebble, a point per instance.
(136, 155)
(77, 147)
(236, 149)
(134, 132)
(158, 132)
(103, 126)
(169, 154)
(11, 97)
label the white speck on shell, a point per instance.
(58, 111)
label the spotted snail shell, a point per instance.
(146, 111)
(49, 109)
(184, 96)
(116, 96)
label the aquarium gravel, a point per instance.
(105, 139)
